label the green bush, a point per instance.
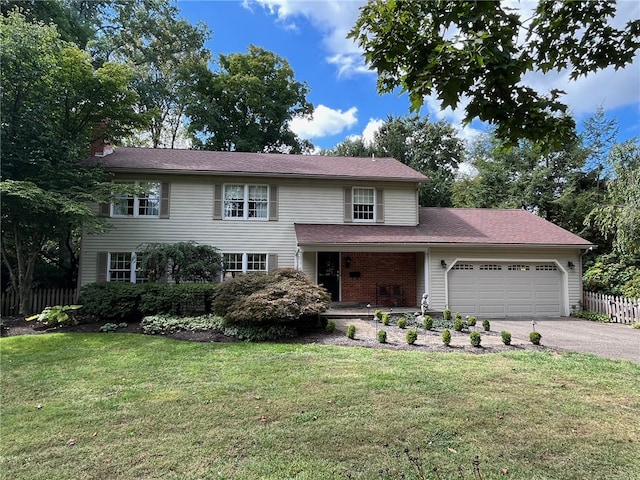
(427, 322)
(592, 316)
(486, 325)
(385, 319)
(163, 324)
(458, 324)
(446, 314)
(475, 339)
(446, 337)
(636, 325)
(331, 326)
(57, 315)
(506, 337)
(114, 301)
(402, 322)
(382, 336)
(457, 316)
(471, 321)
(351, 332)
(535, 337)
(282, 296)
(412, 336)
(377, 315)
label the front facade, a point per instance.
(351, 224)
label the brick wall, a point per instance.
(376, 270)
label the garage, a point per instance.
(505, 289)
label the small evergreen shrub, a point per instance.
(475, 339)
(486, 325)
(402, 322)
(385, 319)
(382, 336)
(377, 315)
(457, 316)
(458, 324)
(427, 322)
(636, 325)
(412, 336)
(331, 326)
(446, 314)
(471, 321)
(446, 337)
(351, 332)
(535, 337)
(506, 337)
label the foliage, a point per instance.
(57, 315)
(280, 296)
(636, 325)
(331, 326)
(382, 336)
(412, 336)
(427, 322)
(535, 337)
(112, 327)
(377, 315)
(446, 314)
(165, 324)
(182, 262)
(506, 337)
(614, 274)
(446, 337)
(458, 324)
(593, 316)
(486, 325)
(247, 105)
(475, 339)
(402, 322)
(385, 318)
(471, 321)
(351, 331)
(482, 51)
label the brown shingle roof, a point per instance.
(466, 226)
(157, 160)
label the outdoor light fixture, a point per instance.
(571, 265)
(443, 264)
(347, 262)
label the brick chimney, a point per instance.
(100, 146)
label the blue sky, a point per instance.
(310, 35)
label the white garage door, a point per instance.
(505, 289)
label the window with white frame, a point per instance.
(363, 204)
(246, 202)
(235, 263)
(144, 205)
(124, 267)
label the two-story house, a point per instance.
(352, 224)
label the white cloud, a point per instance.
(369, 132)
(326, 121)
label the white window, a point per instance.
(364, 204)
(462, 266)
(490, 267)
(124, 267)
(520, 268)
(144, 205)
(246, 202)
(235, 263)
(546, 268)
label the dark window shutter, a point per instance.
(272, 262)
(379, 205)
(165, 194)
(104, 210)
(101, 267)
(217, 202)
(348, 206)
(273, 203)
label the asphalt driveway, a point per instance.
(609, 340)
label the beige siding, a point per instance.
(449, 255)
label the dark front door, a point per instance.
(329, 273)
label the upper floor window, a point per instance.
(246, 202)
(144, 205)
(363, 204)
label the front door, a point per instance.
(329, 273)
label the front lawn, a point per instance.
(105, 406)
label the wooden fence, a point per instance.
(619, 309)
(39, 299)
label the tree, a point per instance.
(246, 106)
(481, 52)
(182, 262)
(52, 98)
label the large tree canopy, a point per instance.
(246, 106)
(481, 52)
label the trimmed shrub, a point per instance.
(351, 332)
(636, 325)
(382, 336)
(427, 322)
(377, 315)
(457, 316)
(506, 337)
(446, 314)
(471, 321)
(331, 326)
(475, 339)
(446, 337)
(385, 319)
(458, 324)
(486, 325)
(402, 322)
(114, 301)
(535, 337)
(412, 336)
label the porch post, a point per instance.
(427, 284)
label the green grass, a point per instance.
(137, 407)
